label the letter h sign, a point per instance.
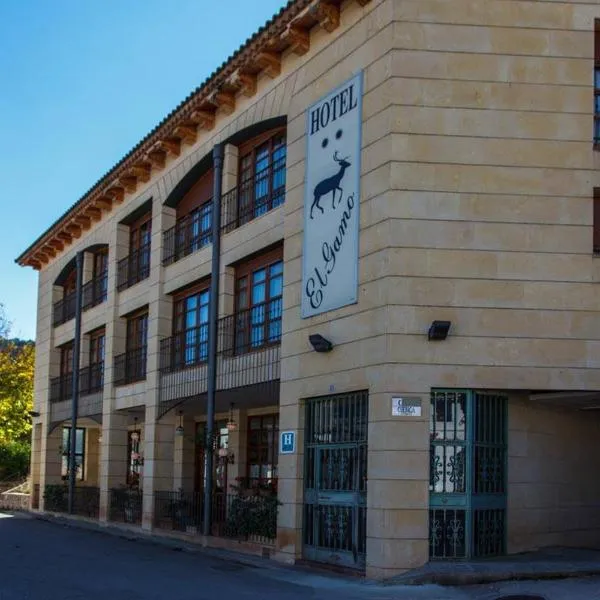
(288, 442)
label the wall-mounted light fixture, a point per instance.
(438, 330)
(231, 424)
(319, 343)
(179, 431)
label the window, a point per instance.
(262, 177)
(99, 275)
(135, 461)
(136, 266)
(263, 432)
(96, 362)
(66, 359)
(137, 332)
(259, 302)
(597, 84)
(190, 322)
(70, 283)
(79, 452)
(596, 221)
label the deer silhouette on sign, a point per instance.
(331, 184)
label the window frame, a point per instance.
(133, 330)
(246, 310)
(180, 330)
(249, 178)
(66, 452)
(271, 446)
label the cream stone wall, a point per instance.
(553, 490)
(476, 184)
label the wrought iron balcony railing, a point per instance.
(91, 380)
(94, 292)
(130, 366)
(253, 197)
(64, 310)
(241, 333)
(133, 268)
(189, 235)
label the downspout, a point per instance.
(75, 382)
(213, 315)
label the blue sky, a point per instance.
(81, 82)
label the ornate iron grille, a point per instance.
(335, 480)
(467, 480)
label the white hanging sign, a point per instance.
(332, 200)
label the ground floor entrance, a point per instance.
(468, 474)
(335, 480)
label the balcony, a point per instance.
(91, 383)
(253, 197)
(189, 235)
(91, 380)
(94, 292)
(64, 310)
(133, 268)
(248, 354)
(130, 366)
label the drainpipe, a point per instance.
(213, 315)
(75, 390)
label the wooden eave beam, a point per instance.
(363, 2)
(34, 263)
(129, 182)
(157, 157)
(49, 251)
(204, 119)
(143, 171)
(270, 62)
(95, 214)
(224, 100)
(56, 244)
(328, 15)
(74, 230)
(245, 82)
(41, 257)
(298, 38)
(104, 202)
(63, 235)
(188, 134)
(171, 145)
(116, 192)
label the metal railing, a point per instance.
(189, 235)
(91, 380)
(64, 310)
(241, 333)
(130, 366)
(253, 197)
(246, 516)
(125, 505)
(94, 292)
(86, 500)
(133, 268)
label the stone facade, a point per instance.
(476, 207)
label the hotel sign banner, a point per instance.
(332, 200)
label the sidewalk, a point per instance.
(546, 564)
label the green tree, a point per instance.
(17, 359)
(16, 390)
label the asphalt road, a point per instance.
(40, 560)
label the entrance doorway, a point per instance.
(335, 479)
(467, 480)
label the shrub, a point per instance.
(14, 459)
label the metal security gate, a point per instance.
(467, 484)
(335, 479)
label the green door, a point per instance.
(335, 481)
(467, 485)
